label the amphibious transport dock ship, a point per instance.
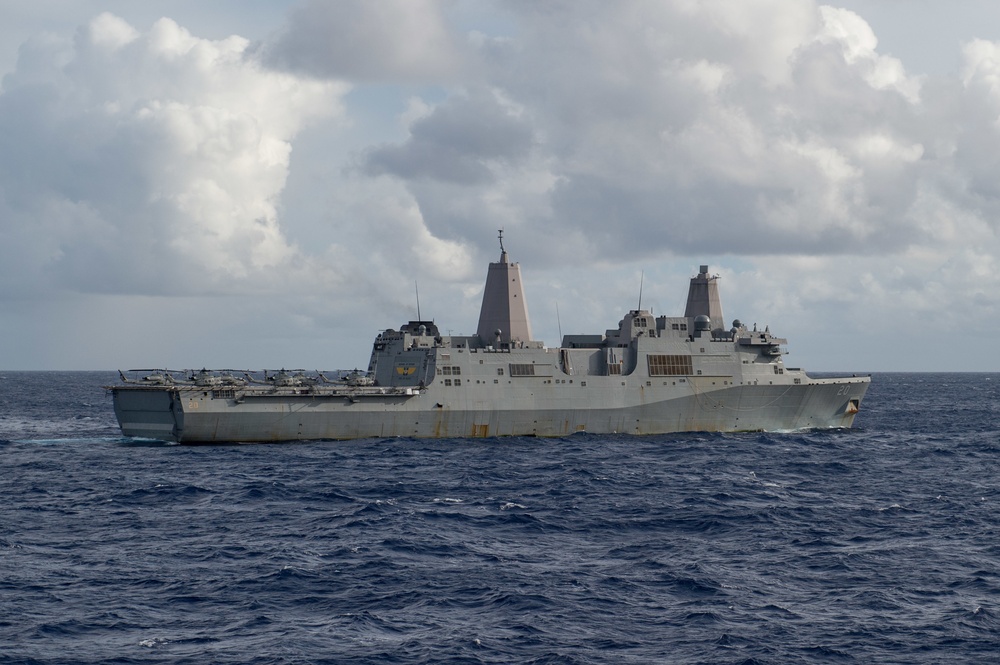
(649, 375)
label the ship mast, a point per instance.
(504, 313)
(703, 298)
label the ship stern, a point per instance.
(146, 413)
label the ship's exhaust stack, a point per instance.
(504, 309)
(703, 299)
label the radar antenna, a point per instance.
(502, 250)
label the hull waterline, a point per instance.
(651, 375)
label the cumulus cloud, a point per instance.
(720, 126)
(775, 130)
(457, 142)
(148, 161)
(603, 137)
(394, 40)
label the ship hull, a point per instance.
(195, 415)
(650, 375)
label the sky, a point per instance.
(247, 184)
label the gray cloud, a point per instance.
(457, 142)
(363, 146)
(686, 124)
(391, 40)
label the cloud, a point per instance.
(700, 127)
(364, 146)
(394, 40)
(773, 131)
(148, 162)
(457, 142)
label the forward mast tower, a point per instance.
(503, 318)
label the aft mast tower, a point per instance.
(703, 298)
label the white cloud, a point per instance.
(149, 162)
(691, 129)
(858, 43)
(364, 146)
(687, 122)
(109, 32)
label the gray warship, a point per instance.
(650, 375)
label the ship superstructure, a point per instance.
(649, 375)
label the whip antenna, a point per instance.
(417, 290)
(641, 275)
(559, 324)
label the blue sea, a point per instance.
(879, 544)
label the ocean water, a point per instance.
(879, 544)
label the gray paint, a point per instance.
(703, 299)
(504, 307)
(649, 375)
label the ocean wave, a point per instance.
(868, 545)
